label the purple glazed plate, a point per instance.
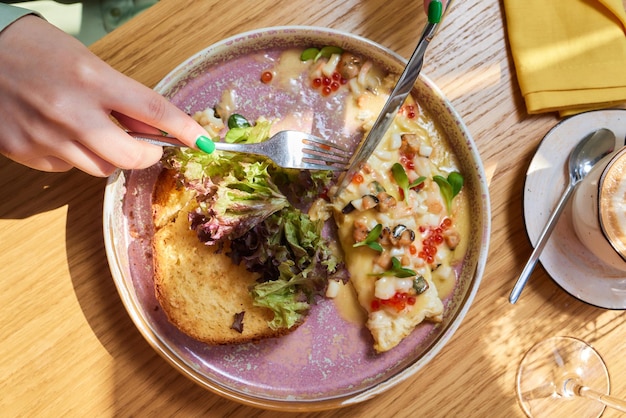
(328, 362)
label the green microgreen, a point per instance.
(397, 270)
(309, 54)
(327, 51)
(399, 175)
(371, 240)
(450, 186)
(316, 53)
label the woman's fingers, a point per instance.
(108, 142)
(84, 161)
(51, 164)
(68, 122)
(139, 103)
(135, 125)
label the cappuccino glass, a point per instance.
(599, 210)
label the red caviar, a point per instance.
(266, 77)
(328, 85)
(406, 159)
(398, 301)
(358, 178)
(433, 239)
(409, 110)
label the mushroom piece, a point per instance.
(349, 65)
(360, 231)
(348, 208)
(385, 236)
(452, 239)
(420, 285)
(365, 202)
(369, 201)
(410, 144)
(402, 235)
(385, 201)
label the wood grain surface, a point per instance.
(67, 345)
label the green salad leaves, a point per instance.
(243, 206)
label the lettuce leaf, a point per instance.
(258, 132)
(294, 261)
(239, 202)
(235, 191)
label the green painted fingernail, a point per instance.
(205, 144)
(435, 10)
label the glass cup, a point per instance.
(599, 210)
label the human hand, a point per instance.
(56, 99)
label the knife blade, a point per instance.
(396, 98)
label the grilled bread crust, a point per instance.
(200, 289)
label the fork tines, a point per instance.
(324, 154)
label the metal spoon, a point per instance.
(583, 157)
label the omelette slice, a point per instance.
(400, 225)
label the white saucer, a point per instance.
(567, 261)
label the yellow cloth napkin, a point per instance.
(569, 55)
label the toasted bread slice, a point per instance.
(199, 289)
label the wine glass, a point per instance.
(564, 376)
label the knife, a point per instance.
(396, 98)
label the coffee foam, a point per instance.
(612, 194)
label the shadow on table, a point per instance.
(137, 369)
(27, 192)
(136, 366)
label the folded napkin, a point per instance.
(569, 55)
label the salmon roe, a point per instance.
(266, 77)
(408, 110)
(358, 178)
(328, 85)
(407, 161)
(398, 301)
(432, 240)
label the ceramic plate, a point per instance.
(567, 261)
(327, 362)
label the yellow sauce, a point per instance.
(348, 305)
(422, 209)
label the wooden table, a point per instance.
(67, 345)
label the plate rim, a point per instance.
(342, 400)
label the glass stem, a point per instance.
(585, 392)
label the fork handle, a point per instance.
(170, 141)
(160, 140)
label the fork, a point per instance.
(288, 149)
